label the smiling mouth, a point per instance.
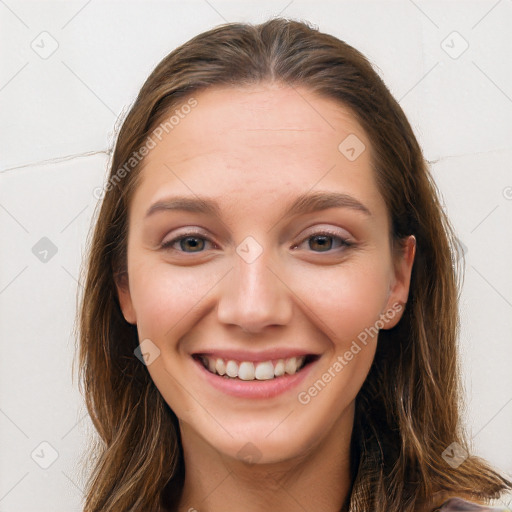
(250, 371)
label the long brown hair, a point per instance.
(412, 398)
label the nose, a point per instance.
(254, 296)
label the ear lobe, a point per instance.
(399, 290)
(125, 299)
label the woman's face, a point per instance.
(258, 242)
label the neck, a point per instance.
(317, 480)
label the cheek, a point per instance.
(163, 296)
(346, 300)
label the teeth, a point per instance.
(290, 366)
(264, 371)
(247, 370)
(279, 368)
(232, 369)
(220, 367)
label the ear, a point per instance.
(125, 298)
(399, 288)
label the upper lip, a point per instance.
(263, 355)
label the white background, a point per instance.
(58, 120)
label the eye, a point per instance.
(323, 241)
(193, 240)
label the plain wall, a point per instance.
(71, 69)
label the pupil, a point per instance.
(322, 241)
(192, 242)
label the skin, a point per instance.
(254, 150)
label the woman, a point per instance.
(269, 316)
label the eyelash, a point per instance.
(343, 241)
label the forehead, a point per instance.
(259, 115)
(262, 141)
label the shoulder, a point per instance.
(446, 501)
(463, 505)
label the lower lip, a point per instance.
(255, 388)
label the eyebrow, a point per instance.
(305, 203)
